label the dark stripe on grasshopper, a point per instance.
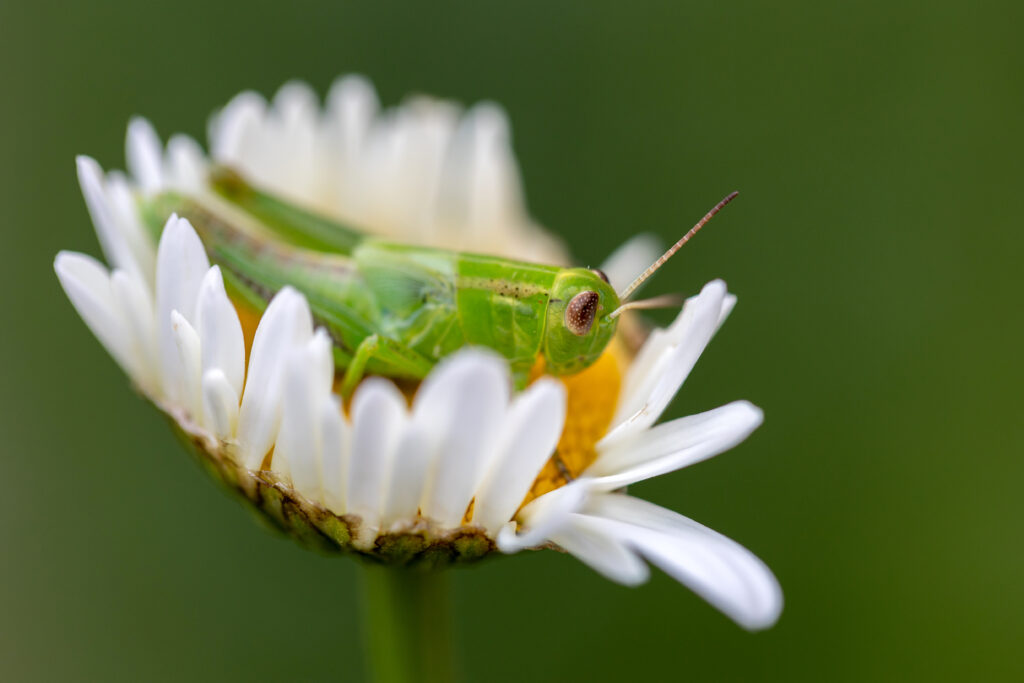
(501, 287)
(288, 222)
(245, 262)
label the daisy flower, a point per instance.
(451, 470)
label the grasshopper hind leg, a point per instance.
(401, 358)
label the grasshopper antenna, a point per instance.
(664, 301)
(624, 294)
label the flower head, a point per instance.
(447, 470)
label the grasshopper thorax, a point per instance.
(578, 327)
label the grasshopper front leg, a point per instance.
(375, 347)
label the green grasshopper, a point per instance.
(396, 310)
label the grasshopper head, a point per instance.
(578, 327)
(584, 309)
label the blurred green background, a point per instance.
(875, 251)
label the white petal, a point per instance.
(728, 303)
(609, 555)
(720, 570)
(408, 474)
(378, 416)
(220, 404)
(401, 168)
(482, 187)
(650, 383)
(496, 191)
(543, 517)
(307, 386)
(662, 341)
(335, 437)
(111, 233)
(186, 341)
(295, 119)
(351, 106)
(529, 436)
(674, 445)
(295, 99)
(123, 203)
(630, 259)
(181, 267)
(186, 164)
(220, 331)
(235, 131)
(87, 285)
(145, 155)
(136, 306)
(464, 399)
(286, 324)
(181, 264)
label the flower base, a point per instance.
(420, 545)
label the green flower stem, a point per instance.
(408, 625)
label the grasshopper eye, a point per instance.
(579, 314)
(600, 273)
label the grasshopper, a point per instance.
(396, 310)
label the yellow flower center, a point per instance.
(592, 397)
(250, 319)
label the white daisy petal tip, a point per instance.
(220, 330)
(88, 169)
(754, 416)
(144, 155)
(87, 284)
(716, 288)
(459, 457)
(717, 568)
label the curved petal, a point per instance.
(586, 539)
(464, 397)
(87, 285)
(351, 108)
(220, 331)
(674, 445)
(528, 438)
(307, 386)
(335, 437)
(122, 201)
(543, 517)
(484, 176)
(136, 306)
(181, 265)
(408, 473)
(286, 324)
(661, 367)
(145, 155)
(295, 121)
(718, 569)
(189, 380)
(378, 416)
(185, 164)
(220, 404)
(235, 131)
(113, 235)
